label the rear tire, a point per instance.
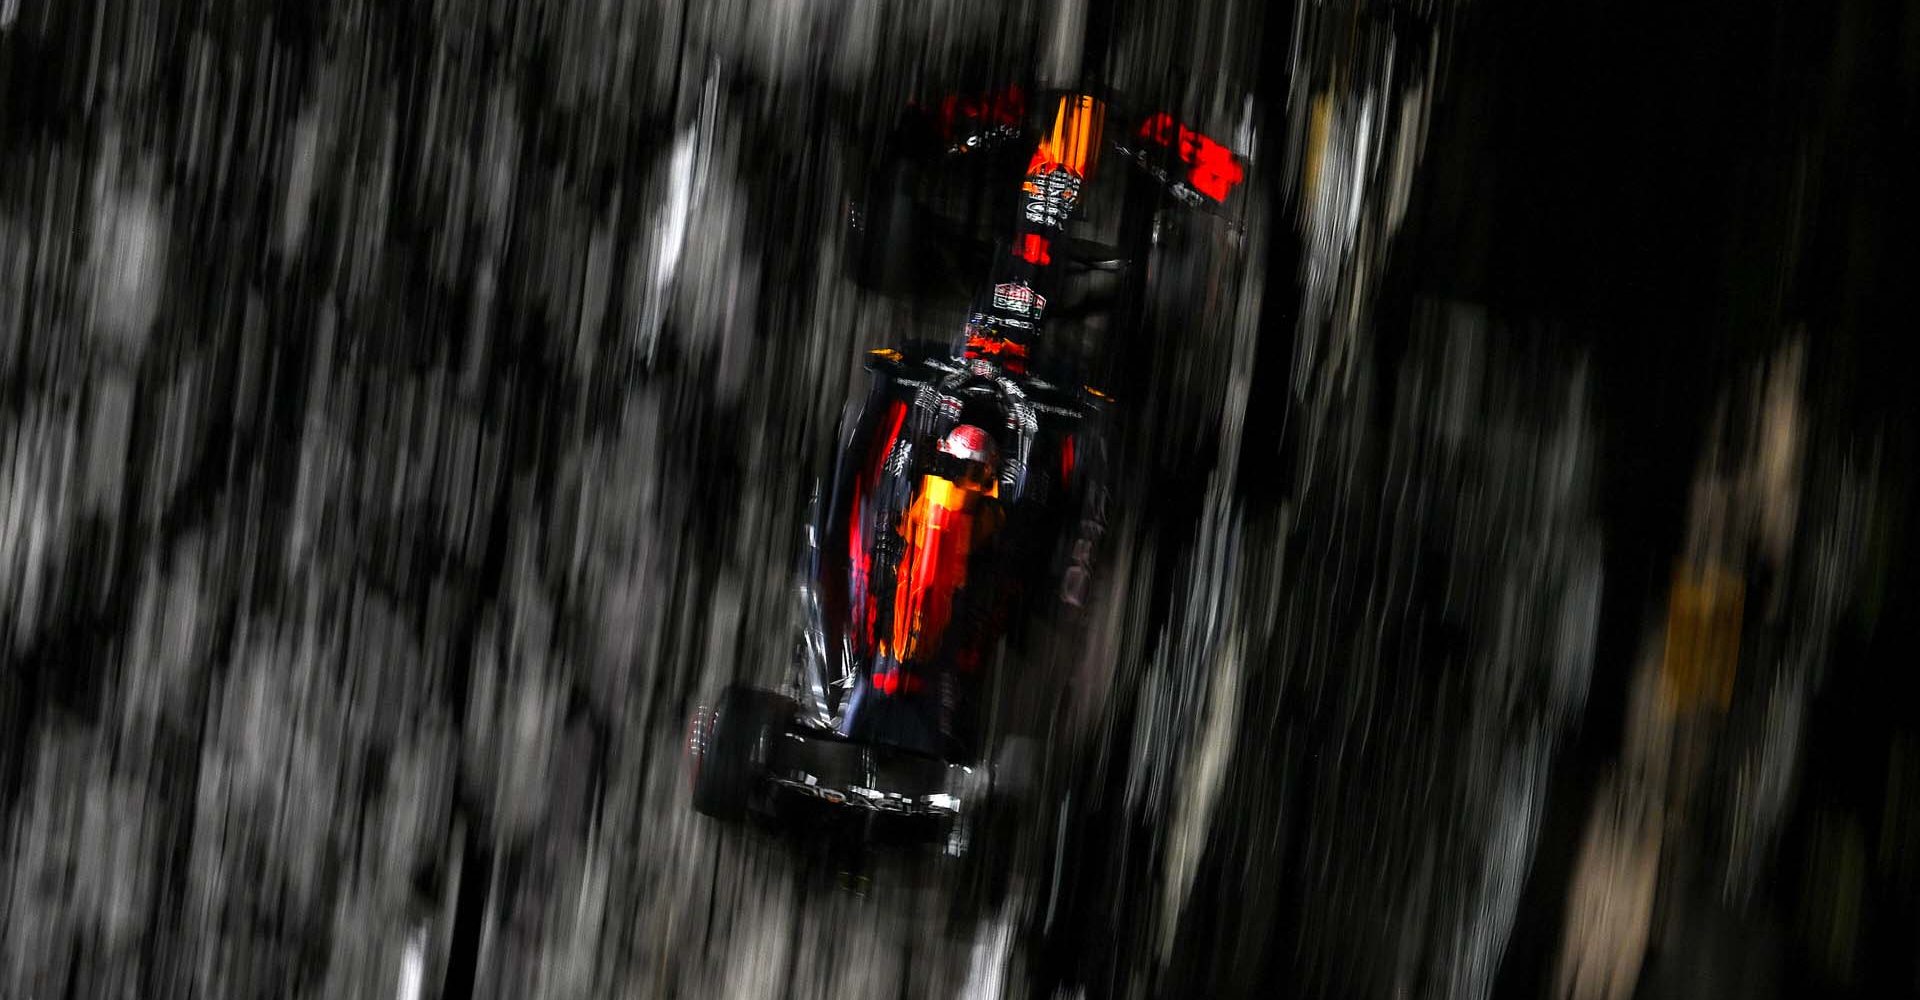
(733, 754)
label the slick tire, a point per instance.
(727, 768)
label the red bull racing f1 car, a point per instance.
(969, 495)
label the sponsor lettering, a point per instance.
(1019, 298)
(878, 801)
(1051, 196)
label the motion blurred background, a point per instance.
(410, 409)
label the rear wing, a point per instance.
(1198, 170)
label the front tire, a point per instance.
(731, 749)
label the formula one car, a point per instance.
(969, 496)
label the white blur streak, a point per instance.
(1066, 32)
(697, 276)
(1359, 146)
(39, 477)
(1406, 154)
(1244, 133)
(669, 238)
(1539, 454)
(1223, 651)
(1774, 477)
(1826, 565)
(301, 154)
(1763, 784)
(413, 966)
(988, 962)
(1612, 889)
(1199, 792)
(1189, 695)
(128, 245)
(1337, 279)
(671, 232)
(1610, 905)
(1611, 895)
(1480, 938)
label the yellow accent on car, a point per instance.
(1075, 140)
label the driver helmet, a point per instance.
(976, 454)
